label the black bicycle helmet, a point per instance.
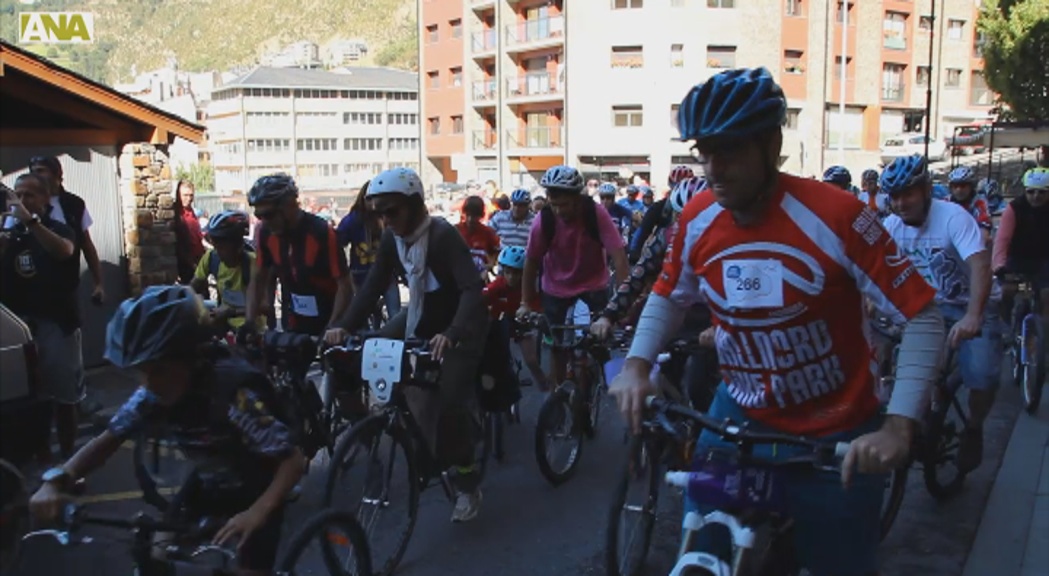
(733, 104)
(228, 225)
(163, 322)
(273, 188)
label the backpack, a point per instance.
(589, 207)
(245, 265)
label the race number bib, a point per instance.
(753, 283)
(304, 305)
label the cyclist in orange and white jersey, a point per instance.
(784, 264)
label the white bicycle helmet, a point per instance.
(684, 191)
(396, 181)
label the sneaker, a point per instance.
(467, 505)
(970, 450)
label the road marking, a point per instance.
(121, 496)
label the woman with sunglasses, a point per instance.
(1021, 245)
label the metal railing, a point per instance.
(535, 30)
(533, 84)
(484, 90)
(892, 92)
(535, 137)
(895, 41)
(483, 41)
(485, 139)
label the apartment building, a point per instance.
(331, 131)
(523, 84)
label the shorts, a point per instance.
(556, 309)
(836, 531)
(979, 358)
(61, 362)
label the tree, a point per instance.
(403, 51)
(202, 176)
(1015, 51)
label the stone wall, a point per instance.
(146, 199)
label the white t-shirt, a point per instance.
(939, 248)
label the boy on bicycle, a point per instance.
(503, 297)
(252, 460)
(231, 262)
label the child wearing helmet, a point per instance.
(230, 263)
(503, 297)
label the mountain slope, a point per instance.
(203, 35)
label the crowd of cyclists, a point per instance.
(776, 276)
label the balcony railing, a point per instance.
(892, 93)
(536, 137)
(484, 90)
(894, 41)
(533, 84)
(483, 41)
(485, 139)
(535, 30)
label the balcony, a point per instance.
(893, 92)
(541, 137)
(485, 140)
(538, 33)
(894, 41)
(483, 93)
(533, 87)
(483, 42)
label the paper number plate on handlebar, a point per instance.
(381, 367)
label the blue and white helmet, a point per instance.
(607, 189)
(987, 187)
(562, 178)
(684, 191)
(961, 175)
(839, 175)
(733, 104)
(520, 196)
(512, 257)
(904, 172)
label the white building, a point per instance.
(344, 52)
(330, 131)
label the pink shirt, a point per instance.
(574, 263)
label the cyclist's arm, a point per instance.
(1004, 237)
(128, 420)
(375, 285)
(92, 455)
(644, 272)
(534, 253)
(261, 284)
(917, 365)
(338, 270)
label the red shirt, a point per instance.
(192, 239)
(502, 299)
(482, 241)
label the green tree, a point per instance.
(202, 176)
(1015, 51)
(403, 51)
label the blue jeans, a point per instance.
(836, 530)
(980, 358)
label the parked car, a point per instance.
(968, 140)
(908, 144)
(18, 385)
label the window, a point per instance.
(925, 23)
(793, 61)
(677, 55)
(837, 68)
(316, 144)
(457, 76)
(457, 28)
(431, 33)
(627, 116)
(433, 79)
(368, 118)
(979, 93)
(403, 144)
(627, 57)
(793, 115)
(627, 4)
(674, 109)
(402, 118)
(269, 145)
(720, 3)
(892, 82)
(794, 8)
(847, 128)
(978, 41)
(434, 125)
(721, 56)
(457, 124)
(842, 13)
(955, 29)
(921, 77)
(954, 78)
(894, 31)
(362, 144)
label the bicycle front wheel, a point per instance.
(891, 506)
(335, 531)
(1032, 372)
(945, 425)
(557, 433)
(632, 516)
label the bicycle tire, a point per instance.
(560, 399)
(642, 456)
(892, 505)
(1033, 373)
(938, 435)
(362, 434)
(314, 527)
(14, 516)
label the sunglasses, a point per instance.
(1038, 191)
(389, 212)
(265, 214)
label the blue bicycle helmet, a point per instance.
(165, 321)
(512, 257)
(520, 196)
(632, 190)
(607, 189)
(646, 191)
(904, 172)
(563, 178)
(273, 188)
(732, 104)
(987, 187)
(961, 175)
(839, 175)
(228, 224)
(869, 175)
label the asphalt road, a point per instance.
(526, 527)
